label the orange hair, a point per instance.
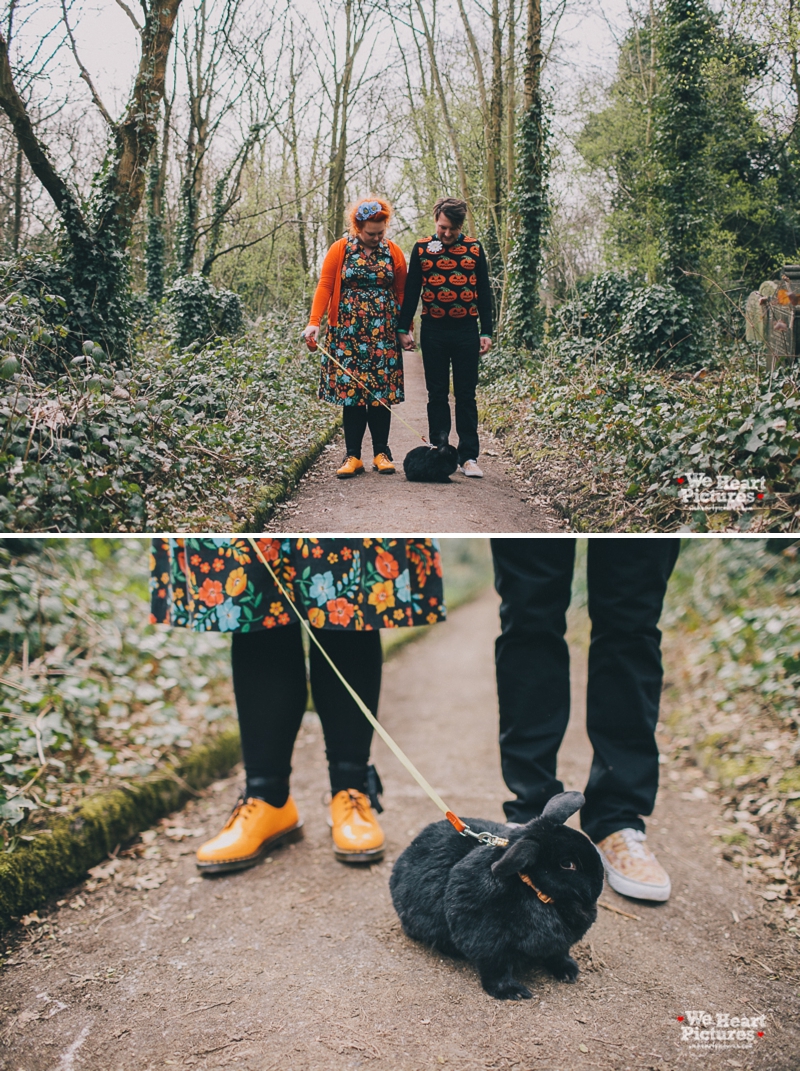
(383, 216)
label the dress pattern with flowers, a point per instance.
(220, 584)
(365, 339)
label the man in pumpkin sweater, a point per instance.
(450, 272)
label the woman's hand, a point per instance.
(406, 340)
(311, 332)
(485, 345)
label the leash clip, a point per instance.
(485, 838)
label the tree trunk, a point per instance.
(529, 196)
(93, 254)
(16, 231)
(448, 122)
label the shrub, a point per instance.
(656, 327)
(199, 311)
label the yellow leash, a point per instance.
(361, 383)
(461, 827)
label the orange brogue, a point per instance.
(351, 466)
(383, 464)
(357, 836)
(253, 827)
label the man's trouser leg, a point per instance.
(436, 364)
(465, 358)
(627, 581)
(533, 578)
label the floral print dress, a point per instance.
(221, 585)
(365, 339)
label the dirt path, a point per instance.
(300, 965)
(374, 503)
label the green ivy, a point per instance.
(531, 212)
(182, 438)
(99, 697)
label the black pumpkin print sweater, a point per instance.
(453, 282)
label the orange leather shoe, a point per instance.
(383, 463)
(357, 837)
(253, 827)
(352, 466)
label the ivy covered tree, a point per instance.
(529, 198)
(685, 38)
(91, 268)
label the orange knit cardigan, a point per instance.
(329, 288)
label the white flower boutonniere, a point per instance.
(435, 246)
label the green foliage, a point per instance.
(530, 208)
(645, 325)
(182, 439)
(31, 329)
(684, 39)
(744, 601)
(200, 311)
(645, 428)
(156, 246)
(90, 697)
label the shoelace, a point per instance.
(241, 804)
(633, 842)
(359, 802)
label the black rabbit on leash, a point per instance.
(503, 909)
(430, 464)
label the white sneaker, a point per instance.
(470, 468)
(631, 868)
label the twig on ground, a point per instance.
(616, 910)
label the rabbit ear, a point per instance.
(520, 856)
(560, 807)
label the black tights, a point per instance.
(269, 681)
(355, 419)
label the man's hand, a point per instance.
(311, 332)
(406, 340)
(486, 345)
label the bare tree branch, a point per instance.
(130, 15)
(84, 73)
(41, 165)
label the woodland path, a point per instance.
(299, 964)
(498, 503)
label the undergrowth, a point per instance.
(650, 431)
(177, 439)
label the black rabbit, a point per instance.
(503, 909)
(430, 464)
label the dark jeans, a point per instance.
(627, 580)
(269, 681)
(355, 419)
(441, 348)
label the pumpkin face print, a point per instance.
(458, 311)
(428, 295)
(446, 294)
(457, 279)
(475, 249)
(446, 263)
(457, 250)
(426, 265)
(473, 310)
(436, 279)
(436, 312)
(467, 295)
(468, 263)
(473, 280)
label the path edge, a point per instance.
(56, 860)
(278, 491)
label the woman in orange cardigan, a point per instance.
(361, 288)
